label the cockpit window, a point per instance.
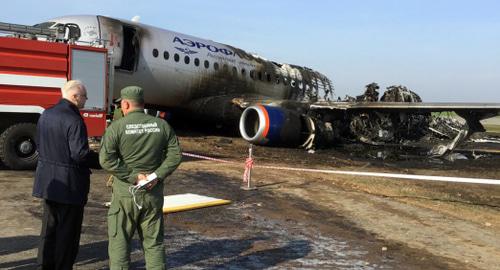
(44, 24)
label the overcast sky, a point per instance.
(444, 50)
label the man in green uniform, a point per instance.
(136, 147)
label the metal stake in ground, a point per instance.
(247, 175)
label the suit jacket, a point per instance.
(62, 174)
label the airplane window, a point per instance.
(207, 64)
(268, 77)
(176, 57)
(216, 66)
(259, 75)
(243, 71)
(277, 79)
(235, 71)
(196, 62)
(155, 53)
(285, 80)
(186, 59)
(166, 55)
(252, 74)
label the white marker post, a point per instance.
(247, 175)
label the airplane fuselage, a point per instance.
(176, 69)
(212, 82)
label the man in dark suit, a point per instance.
(62, 177)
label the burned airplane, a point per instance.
(272, 103)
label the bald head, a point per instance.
(74, 91)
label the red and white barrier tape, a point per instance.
(249, 164)
(208, 158)
(248, 168)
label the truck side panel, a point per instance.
(21, 56)
(32, 72)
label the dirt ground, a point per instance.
(293, 220)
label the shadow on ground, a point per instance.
(212, 254)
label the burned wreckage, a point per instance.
(398, 117)
(199, 81)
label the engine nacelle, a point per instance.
(267, 125)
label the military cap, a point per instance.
(132, 93)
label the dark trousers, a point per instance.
(60, 236)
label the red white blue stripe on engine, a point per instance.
(274, 120)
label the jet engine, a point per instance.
(267, 125)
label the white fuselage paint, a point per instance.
(169, 83)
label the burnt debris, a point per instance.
(386, 121)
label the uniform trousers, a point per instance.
(60, 235)
(124, 218)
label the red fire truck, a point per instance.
(34, 65)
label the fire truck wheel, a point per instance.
(17, 147)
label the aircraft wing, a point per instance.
(246, 101)
(469, 111)
(282, 122)
(407, 106)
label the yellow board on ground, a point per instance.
(189, 201)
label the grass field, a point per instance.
(492, 128)
(492, 124)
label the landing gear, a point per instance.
(17, 147)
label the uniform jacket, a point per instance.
(139, 143)
(62, 174)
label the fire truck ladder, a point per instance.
(62, 32)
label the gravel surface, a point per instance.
(293, 220)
